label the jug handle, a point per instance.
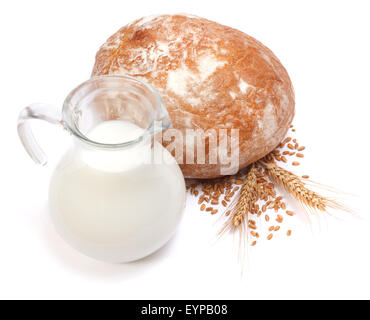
(38, 111)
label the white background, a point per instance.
(48, 47)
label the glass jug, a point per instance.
(109, 196)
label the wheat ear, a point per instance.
(294, 185)
(243, 203)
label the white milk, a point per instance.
(113, 205)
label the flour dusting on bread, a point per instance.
(210, 76)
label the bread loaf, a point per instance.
(209, 76)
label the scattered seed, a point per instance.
(279, 218)
(271, 206)
(222, 191)
(300, 155)
(289, 233)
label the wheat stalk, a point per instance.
(294, 185)
(248, 195)
(240, 208)
(243, 204)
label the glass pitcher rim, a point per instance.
(160, 114)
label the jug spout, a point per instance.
(162, 121)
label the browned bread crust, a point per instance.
(209, 76)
